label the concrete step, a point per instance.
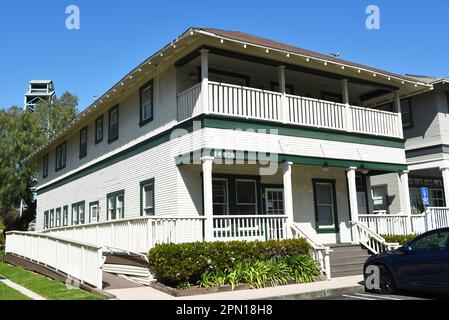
(347, 249)
(349, 267)
(343, 255)
(346, 262)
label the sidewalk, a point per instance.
(22, 290)
(334, 287)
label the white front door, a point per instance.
(274, 201)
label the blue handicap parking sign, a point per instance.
(425, 196)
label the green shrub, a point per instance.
(260, 274)
(2, 254)
(187, 262)
(402, 240)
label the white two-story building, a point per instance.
(222, 135)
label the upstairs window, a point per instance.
(83, 142)
(94, 212)
(52, 218)
(406, 110)
(61, 156)
(78, 213)
(116, 206)
(45, 166)
(146, 103)
(58, 217)
(46, 217)
(113, 124)
(99, 129)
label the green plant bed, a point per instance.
(47, 288)
(401, 239)
(258, 264)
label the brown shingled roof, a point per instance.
(252, 39)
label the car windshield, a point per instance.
(436, 241)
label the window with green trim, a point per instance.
(78, 213)
(113, 124)
(83, 142)
(46, 218)
(99, 129)
(94, 212)
(220, 196)
(325, 205)
(61, 152)
(246, 196)
(65, 216)
(146, 103)
(147, 197)
(45, 166)
(58, 217)
(52, 218)
(116, 205)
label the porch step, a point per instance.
(134, 267)
(347, 260)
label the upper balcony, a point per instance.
(251, 103)
(233, 87)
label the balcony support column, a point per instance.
(288, 196)
(208, 199)
(348, 112)
(283, 114)
(204, 81)
(445, 175)
(397, 107)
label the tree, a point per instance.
(21, 132)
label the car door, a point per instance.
(425, 266)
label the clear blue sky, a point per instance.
(115, 36)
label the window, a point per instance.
(116, 207)
(113, 124)
(52, 218)
(146, 103)
(83, 142)
(58, 217)
(61, 156)
(45, 166)
(94, 212)
(246, 196)
(65, 216)
(380, 198)
(220, 197)
(289, 89)
(406, 110)
(46, 218)
(99, 129)
(78, 213)
(434, 242)
(147, 198)
(325, 205)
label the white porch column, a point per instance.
(397, 107)
(205, 80)
(348, 113)
(445, 174)
(405, 199)
(282, 90)
(207, 198)
(288, 195)
(353, 206)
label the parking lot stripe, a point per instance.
(357, 297)
(377, 296)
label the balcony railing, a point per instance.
(251, 103)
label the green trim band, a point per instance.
(220, 122)
(225, 123)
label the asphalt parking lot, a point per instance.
(365, 296)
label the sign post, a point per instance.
(425, 201)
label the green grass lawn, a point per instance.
(47, 288)
(7, 293)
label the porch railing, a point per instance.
(82, 261)
(246, 102)
(250, 227)
(402, 224)
(371, 240)
(135, 235)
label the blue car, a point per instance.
(420, 265)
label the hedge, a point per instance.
(173, 264)
(401, 239)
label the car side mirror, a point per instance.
(407, 249)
